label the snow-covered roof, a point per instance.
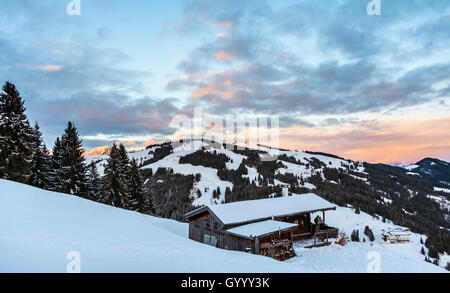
(251, 210)
(260, 228)
(398, 233)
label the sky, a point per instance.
(365, 87)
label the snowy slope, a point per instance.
(353, 257)
(38, 228)
(210, 181)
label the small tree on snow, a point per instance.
(355, 235)
(368, 232)
(94, 181)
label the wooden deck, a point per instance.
(319, 238)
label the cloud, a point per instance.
(49, 68)
(315, 64)
(346, 77)
(223, 55)
(389, 141)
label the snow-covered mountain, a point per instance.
(209, 179)
(102, 150)
(302, 165)
(43, 231)
(212, 173)
(434, 168)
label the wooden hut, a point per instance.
(265, 226)
(397, 235)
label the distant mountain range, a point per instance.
(429, 167)
(103, 150)
(434, 168)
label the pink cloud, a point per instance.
(224, 24)
(223, 55)
(48, 68)
(394, 141)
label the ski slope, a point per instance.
(39, 228)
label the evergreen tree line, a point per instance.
(171, 193)
(206, 159)
(25, 158)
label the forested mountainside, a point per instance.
(434, 168)
(183, 175)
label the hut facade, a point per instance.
(265, 226)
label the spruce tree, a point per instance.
(74, 179)
(113, 189)
(125, 166)
(140, 200)
(16, 136)
(56, 163)
(93, 180)
(40, 164)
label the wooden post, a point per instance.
(309, 222)
(256, 245)
(323, 218)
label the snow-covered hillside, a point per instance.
(39, 228)
(210, 181)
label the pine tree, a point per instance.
(93, 181)
(74, 179)
(113, 189)
(139, 199)
(124, 159)
(40, 164)
(129, 202)
(227, 192)
(16, 136)
(56, 164)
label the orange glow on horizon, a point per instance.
(399, 141)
